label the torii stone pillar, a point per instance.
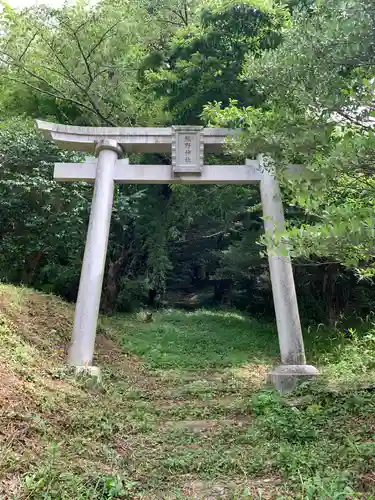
(289, 330)
(90, 286)
(187, 146)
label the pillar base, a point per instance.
(285, 378)
(90, 371)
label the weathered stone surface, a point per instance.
(81, 350)
(158, 174)
(135, 139)
(285, 378)
(283, 289)
(91, 371)
(187, 149)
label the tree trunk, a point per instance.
(329, 292)
(112, 281)
(31, 263)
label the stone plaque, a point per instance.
(187, 149)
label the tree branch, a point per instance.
(168, 22)
(179, 15)
(70, 77)
(85, 60)
(74, 32)
(186, 14)
(80, 26)
(68, 74)
(315, 264)
(101, 39)
(29, 72)
(98, 112)
(353, 120)
(28, 45)
(59, 95)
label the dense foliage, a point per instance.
(202, 63)
(296, 77)
(318, 112)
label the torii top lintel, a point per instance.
(131, 139)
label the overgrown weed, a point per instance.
(177, 414)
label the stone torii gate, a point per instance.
(187, 145)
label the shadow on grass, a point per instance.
(202, 339)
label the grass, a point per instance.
(199, 340)
(183, 410)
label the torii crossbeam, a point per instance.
(187, 145)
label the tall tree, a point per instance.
(204, 60)
(83, 60)
(320, 103)
(41, 221)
